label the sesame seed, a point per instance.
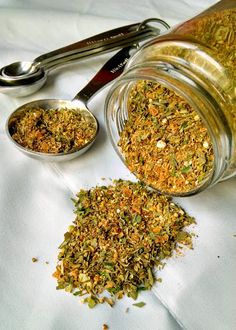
(164, 121)
(161, 144)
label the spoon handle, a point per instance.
(110, 71)
(101, 49)
(100, 43)
(89, 43)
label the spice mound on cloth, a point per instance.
(120, 233)
(164, 141)
(53, 130)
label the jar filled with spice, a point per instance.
(172, 115)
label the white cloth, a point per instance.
(35, 206)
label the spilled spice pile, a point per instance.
(164, 141)
(53, 130)
(120, 233)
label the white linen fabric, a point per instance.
(197, 291)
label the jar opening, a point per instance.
(163, 136)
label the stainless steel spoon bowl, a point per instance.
(111, 70)
(24, 78)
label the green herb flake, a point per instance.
(91, 302)
(139, 304)
(78, 293)
(186, 169)
(137, 219)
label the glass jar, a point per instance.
(197, 61)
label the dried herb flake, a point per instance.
(139, 304)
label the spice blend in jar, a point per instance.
(120, 233)
(53, 130)
(216, 30)
(172, 115)
(164, 141)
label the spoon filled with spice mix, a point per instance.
(60, 130)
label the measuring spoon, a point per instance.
(24, 78)
(110, 71)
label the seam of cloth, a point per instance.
(169, 309)
(60, 175)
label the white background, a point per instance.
(198, 290)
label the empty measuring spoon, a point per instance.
(111, 70)
(24, 78)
